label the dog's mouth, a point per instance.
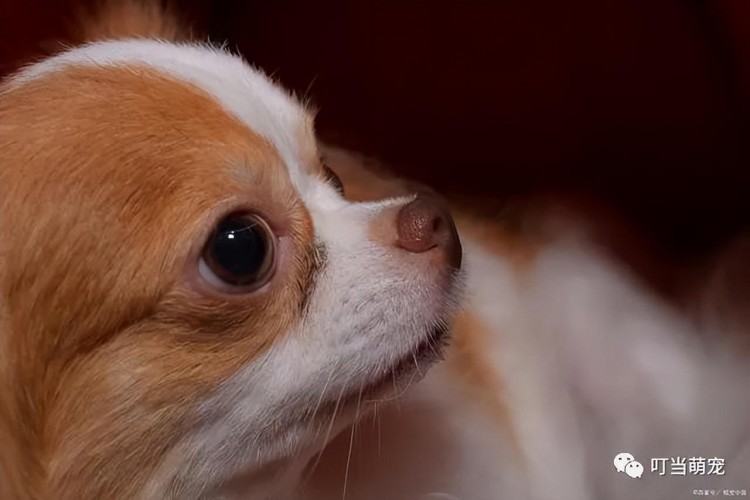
(392, 382)
(402, 374)
(332, 413)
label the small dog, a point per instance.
(189, 308)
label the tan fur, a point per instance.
(105, 338)
(130, 18)
(499, 236)
(467, 359)
(364, 179)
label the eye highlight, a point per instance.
(333, 179)
(239, 254)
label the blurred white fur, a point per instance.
(591, 364)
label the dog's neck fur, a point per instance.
(562, 360)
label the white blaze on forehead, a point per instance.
(241, 90)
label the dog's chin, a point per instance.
(409, 369)
(391, 383)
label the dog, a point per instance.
(200, 300)
(190, 307)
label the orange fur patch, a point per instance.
(504, 235)
(110, 182)
(467, 358)
(363, 178)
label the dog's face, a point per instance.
(186, 295)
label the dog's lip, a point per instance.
(387, 386)
(413, 365)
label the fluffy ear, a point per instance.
(115, 19)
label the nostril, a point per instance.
(426, 223)
(420, 224)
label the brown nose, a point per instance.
(425, 224)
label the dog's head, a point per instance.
(186, 295)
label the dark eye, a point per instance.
(240, 252)
(333, 179)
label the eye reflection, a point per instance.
(240, 251)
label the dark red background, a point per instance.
(645, 104)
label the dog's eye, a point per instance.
(333, 179)
(240, 252)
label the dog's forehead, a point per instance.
(139, 136)
(242, 91)
(122, 171)
(152, 158)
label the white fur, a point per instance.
(590, 364)
(241, 90)
(372, 303)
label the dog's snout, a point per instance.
(425, 224)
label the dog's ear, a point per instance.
(117, 19)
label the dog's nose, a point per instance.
(425, 224)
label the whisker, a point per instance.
(416, 364)
(396, 397)
(435, 348)
(328, 435)
(377, 419)
(351, 443)
(320, 399)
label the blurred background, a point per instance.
(642, 104)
